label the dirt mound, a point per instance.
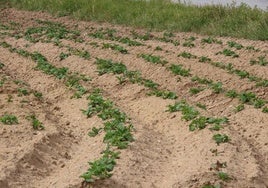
(196, 106)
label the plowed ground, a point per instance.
(165, 153)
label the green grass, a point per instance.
(153, 59)
(241, 21)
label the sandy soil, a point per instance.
(165, 153)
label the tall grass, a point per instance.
(241, 21)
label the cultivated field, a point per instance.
(98, 105)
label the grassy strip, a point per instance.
(241, 21)
(117, 130)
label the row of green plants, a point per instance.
(260, 82)
(108, 66)
(117, 129)
(72, 80)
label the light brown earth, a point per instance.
(165, 153)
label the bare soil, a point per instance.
(165, 153)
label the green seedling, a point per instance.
(108, 66)
(195, 90)
(189, 44)
(153, 59)
(94, 132)
(9, 119)
(187, 55)
(263, 83)
(202, 106)
(211, 40)
(231, 94)
(252, 48)
(258, 103)
(265, 109)
(63, 56)
(158, 48)
(150, 84)
(115, 47)
(188, 112)
(38, 95)
(239, 108)
(261, 61)
(198, 123)
(51, 32)
(23, 91)
(1, 65)
(247, 97)
(235, 45)
(101, 168)
(163, 94)
(241, 74)
(119, 137)
(228, 52)
(9, 98)
(179, 70)
(224, 176)
(216, 87)
(201, 80)
(37, 125)
(219, 138)
(204, 59)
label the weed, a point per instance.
(37, 125)
(252, 48)
(179, 70)
(187, 55)
(219, 138)
(239, 108)
(153, 59)
(9, 119)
